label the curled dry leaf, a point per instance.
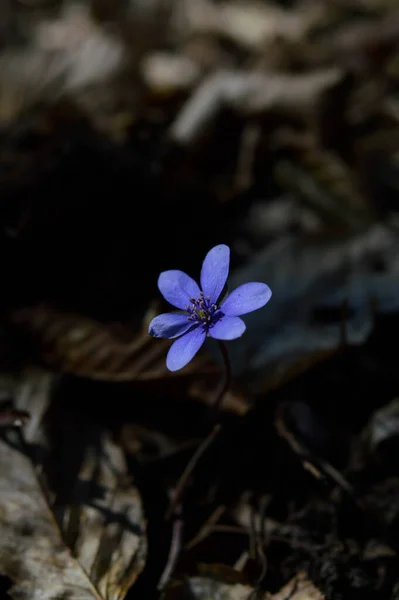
(109, 543)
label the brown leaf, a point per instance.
(109, 547)
(75, 344)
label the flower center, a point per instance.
(202, 312)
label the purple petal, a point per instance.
(169, 325)
(246, 298)
(177, 287)
(185, 348)
(215, 269)
(228, 328)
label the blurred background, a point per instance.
(137, 134)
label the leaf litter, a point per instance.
(276, 124)
(104, 514)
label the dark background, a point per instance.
(295, 167)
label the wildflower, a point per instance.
(205, 315)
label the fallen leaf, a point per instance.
(250, 94)
(167, 73)
(64, 55)
(108, 527)
(253, 24)
(298, 588)
(88, 53)
(204, 588)
(32, 553)
(104, 513)
(81, 346)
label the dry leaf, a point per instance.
(205, 588)
(64, 55)
(299, 588)
(76, 344)
(252, 24)
(88, 52)
(250, 94)
(32, 553)
(31, 550)
(81, 346)
(105, 512)
(248, 23)
(166, 73)
(109, 530)
(194, 16)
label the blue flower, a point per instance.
(204, 314)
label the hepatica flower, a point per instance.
(204, 312)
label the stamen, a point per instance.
(202, 312)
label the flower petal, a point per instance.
(169, 325)
(185, 348)
(246, 298)
(177, 287)
(228, 328)
(215, 269)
